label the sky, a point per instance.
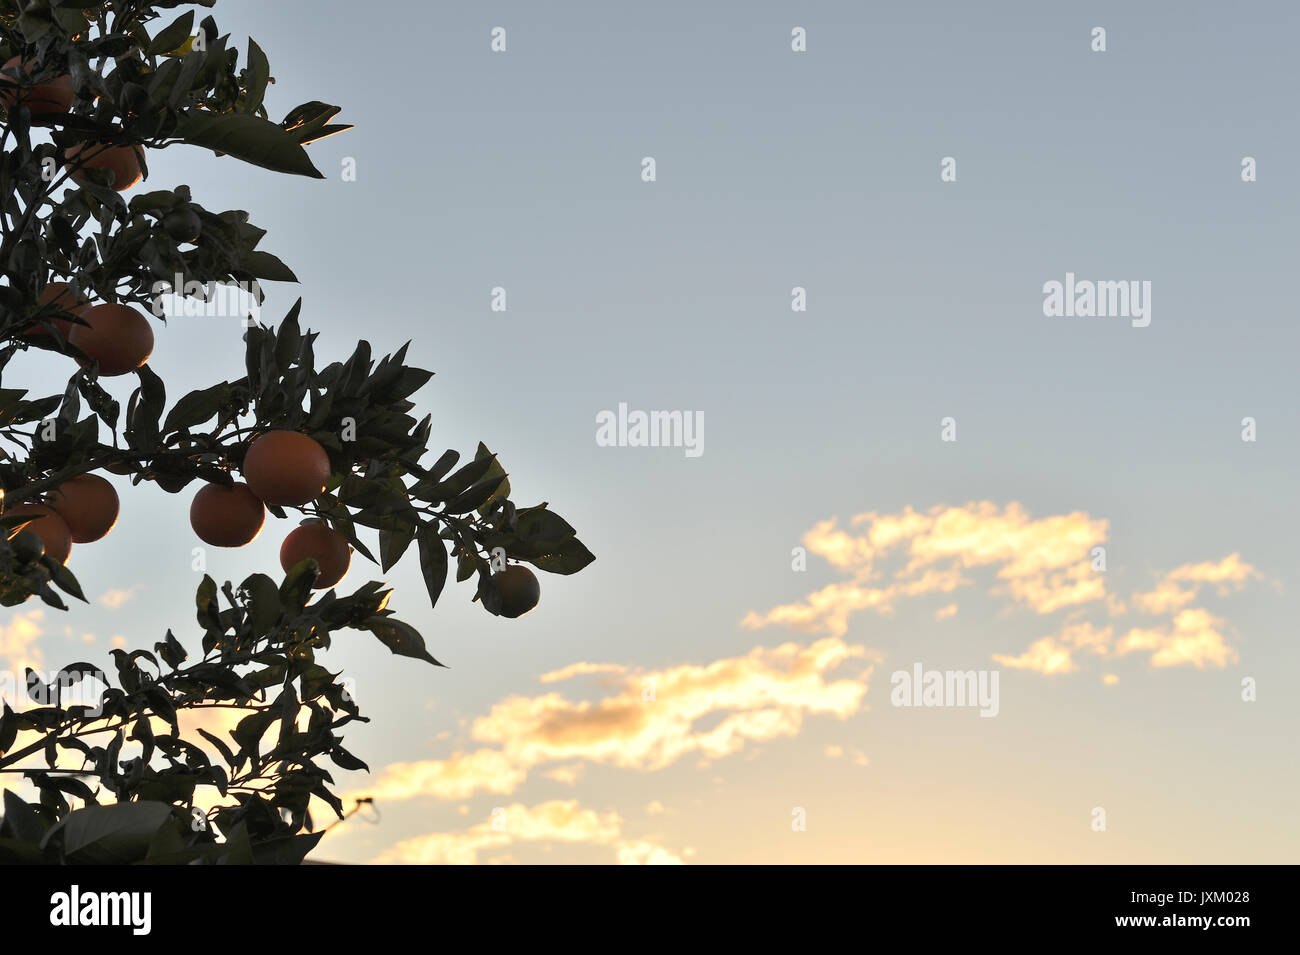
(719, 687)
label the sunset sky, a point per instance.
(705, 684)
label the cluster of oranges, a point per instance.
(281, 467)
(80, 510)
(285, 468)
(117, 336)
(53, 96)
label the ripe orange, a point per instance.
(88, 504)
(329, 548)
(519, 590)
(226, 516)
(123, 161)
(286, 467)
(54, 95)
(117, 336)
(50, 528)
(60, 294)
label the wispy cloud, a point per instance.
(18, 638)
(1043, 564)
(1182, 585)
(555, 821)
(652, 720)
(580, 669)
(113, 599)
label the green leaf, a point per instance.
(433, 561)
(248, 732)
(171, 37)
(307, 123)
(286, 850)
(401, 638)
(569, 558)
(264, 607)
(8, 728)
(117, 833)
(503, 489)
(63, 578)
(538, 525)
(264, 265)
(250, 138)
(346, 760)
(21, 820)
(460, 480)
(197, 407)
(221, 746)
(297, 585)
(146, 407)
(476, 495)
(394, 542)
(258, 74)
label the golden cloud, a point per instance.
(648, 723)
(580, 669)
(1182, 585)
(1044, 564)
(1046, 656)
(555, 821)
(18, 648)
(1195, 639)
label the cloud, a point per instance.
(1044, 564)
(18, 648)
(580, 669)
(652, 720)
(568, 775)
(1195, 639)
(554, 821)
(1041, 564)
(1182, 585)
(1046, 656)
(112, 599)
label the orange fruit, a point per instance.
(328, 547)
(88, 504)
(117, 336)
(50, 528)
(123, 161)
(60, 294)
(51, 96)
(226, 516)
(519, 590)
(286, 468)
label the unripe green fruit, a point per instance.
(519, 590)
(28, 546)
(183, 225)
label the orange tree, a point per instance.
(88, 93)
